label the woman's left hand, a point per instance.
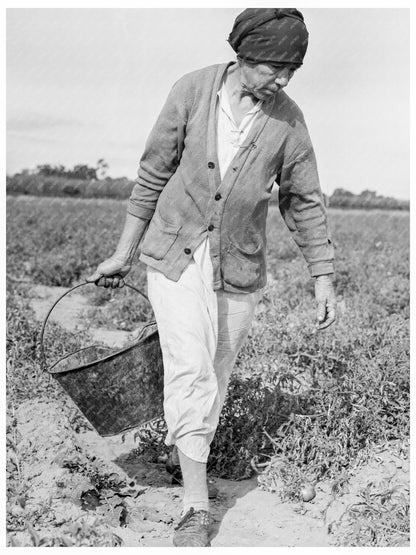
(326, 301)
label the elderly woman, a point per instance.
(225, 135)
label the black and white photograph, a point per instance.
(207, 217)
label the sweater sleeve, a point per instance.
(162, 154)
(302, 207)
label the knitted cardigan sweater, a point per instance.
(179, 187)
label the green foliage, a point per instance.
(25, 377)
(56, 241)
(47, 185)
(251, 408)
(379, 519)
(85, 182)
(305, 404)
(79, 171)
(342, 198)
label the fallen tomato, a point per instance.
(308, 493)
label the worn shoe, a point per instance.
(193, 530)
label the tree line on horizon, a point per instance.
(92, 182)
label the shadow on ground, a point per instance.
(154, 475)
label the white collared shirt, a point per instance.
(230, 136)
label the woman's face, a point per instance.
(264, 80)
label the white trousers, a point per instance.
(201, 332)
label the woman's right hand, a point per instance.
(110, 273)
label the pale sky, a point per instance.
(84, 84)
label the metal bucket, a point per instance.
(116, 390)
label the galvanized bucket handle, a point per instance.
(41, 345)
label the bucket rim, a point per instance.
(139, 341)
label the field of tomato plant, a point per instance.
(303, 407)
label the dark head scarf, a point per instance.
(273, 35)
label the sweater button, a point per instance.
(187, 251)
(210, 227)
(217, 196)
(211, 165)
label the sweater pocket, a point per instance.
(245, 268)
(160, 237)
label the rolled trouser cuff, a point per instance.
(195, 447)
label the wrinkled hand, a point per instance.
(326, 301)
(110, 273)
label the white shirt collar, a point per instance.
(226, 106)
